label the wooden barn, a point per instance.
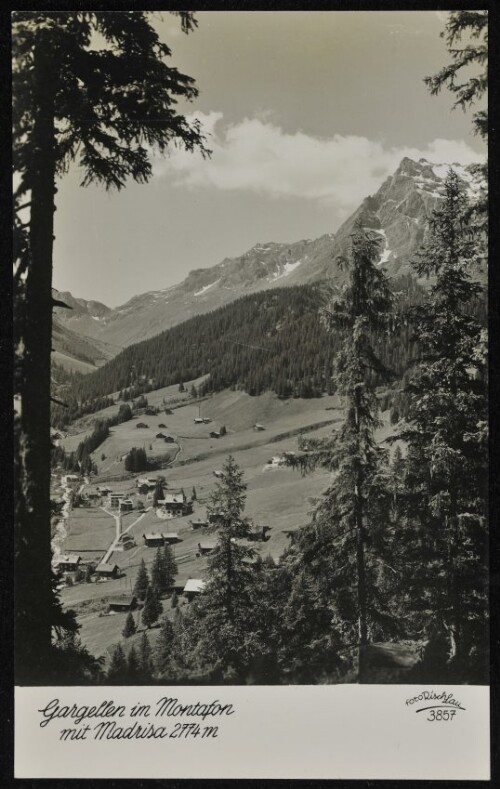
(125, 542)
(154, 539)
(259, 535)
(122, 604)
(67, 562)
(176, 586)
(193, 587)
(215, 518)
(199, 524)
(171, 537)
(105, 570)
(146, 482)
(204, 548)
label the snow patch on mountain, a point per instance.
(385, 256)
(464, 173)
(285, 271)
(442, 170)
(402, 204)
(386, 252)
(207, 287)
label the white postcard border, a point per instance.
(339, 731)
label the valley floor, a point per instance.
(277, 497)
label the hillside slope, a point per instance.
(273, 340)
(76, 352)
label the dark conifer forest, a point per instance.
(272, 340)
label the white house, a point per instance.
(194, 586)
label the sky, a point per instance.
(306, 113)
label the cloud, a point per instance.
(256, 155)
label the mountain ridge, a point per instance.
(398, 212)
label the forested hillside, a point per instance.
(271, 340)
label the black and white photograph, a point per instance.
(251, 352)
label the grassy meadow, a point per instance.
(279, 498)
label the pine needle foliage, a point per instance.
(466, 36)
(446, 433)
(222, 618)
(344, 545)
(145, 658)
(117, 671)
(152, 607)
(163, 570)
(134, 673)
(130, 627)
(141, 581)
(164, 660)
(94, 89)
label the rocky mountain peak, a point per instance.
(397, 213)
(81, 307)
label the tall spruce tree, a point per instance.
(222, 617)
(164, 650)
(104, 107)
(169, 567)
(134, 674)
(308, 650)
(164, 570)
(130, 627)
(446, 432)
(343, 546)
(141, 581)
(145, 658)
(157, 581)
(117, 672)
(152, 607)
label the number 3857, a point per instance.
(441, 715)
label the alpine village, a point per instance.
(275, 471)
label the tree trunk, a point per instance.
(229, 580)
(455, 591)
(33, 535)
(360, 558)
(361, 577)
